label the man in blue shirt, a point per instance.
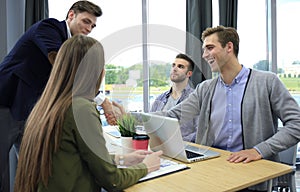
(182, 70)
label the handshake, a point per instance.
(112, 111)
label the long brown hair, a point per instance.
(77, 71)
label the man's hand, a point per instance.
(52, 56)
(119, 108)
(109, 112)
(244, 156)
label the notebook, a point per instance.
(165, 135)
(166, 167)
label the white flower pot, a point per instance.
(126, 145)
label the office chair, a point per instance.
(287, 182)
(13, 161)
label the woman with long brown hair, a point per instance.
(63, 148)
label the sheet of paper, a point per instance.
(166, 167)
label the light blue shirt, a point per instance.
(226, 112)
(189, 128)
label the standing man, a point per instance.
(24, 73)
(182, 70)
(239, 110)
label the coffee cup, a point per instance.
(140, 141)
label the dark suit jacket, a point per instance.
(24, 72)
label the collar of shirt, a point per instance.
(68, 30)
(241, 75)
(183, 92)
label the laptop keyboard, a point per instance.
(191, 154)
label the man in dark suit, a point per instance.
(24, 73)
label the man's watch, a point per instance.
(121, 160)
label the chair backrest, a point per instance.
(288, 156)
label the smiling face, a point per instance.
(214, 54)
(81, 23)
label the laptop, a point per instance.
(165, 135)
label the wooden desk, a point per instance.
(215, 175)
(212, 175)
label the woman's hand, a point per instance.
(152, 161)
(135, 157)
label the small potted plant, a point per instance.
(127, 125)
(127, 130)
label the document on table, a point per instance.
(167, 167)
(113, 144)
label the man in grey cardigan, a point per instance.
(239, 110)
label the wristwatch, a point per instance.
(121, 160)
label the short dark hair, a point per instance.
(188, 59)
(225, 35)
(86, 6)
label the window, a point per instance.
(167, 25)
(252, 32)
(120, 31)
(288, 44)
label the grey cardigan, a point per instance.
(265, 100)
